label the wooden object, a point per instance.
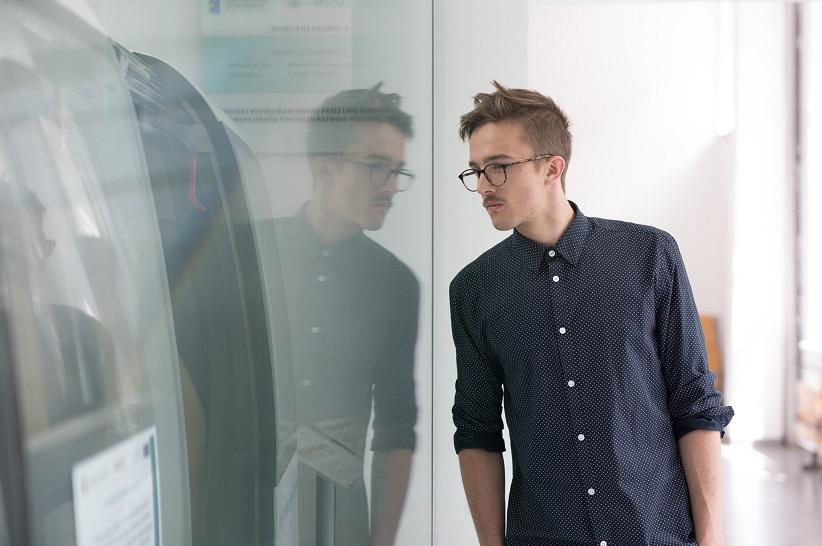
(711, 329)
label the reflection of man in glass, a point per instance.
(353, 311)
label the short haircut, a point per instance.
(546, 127)
(332, 125)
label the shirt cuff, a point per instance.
(708, 421)
(489, 441)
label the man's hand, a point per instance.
(483, 477)
(701, 459)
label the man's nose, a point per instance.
(391, 186)
(484, 186)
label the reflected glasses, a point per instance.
(495, 173)
(380, 173)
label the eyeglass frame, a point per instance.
(481, 172)
(391, 172)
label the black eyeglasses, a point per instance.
(495, 173)
(381, 173)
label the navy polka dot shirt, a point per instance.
(596, 348)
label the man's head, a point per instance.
(356, 148)
(524, 136)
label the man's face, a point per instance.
(353, 196)
(523, 196)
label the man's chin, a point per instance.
(501, 225)
(373, 224)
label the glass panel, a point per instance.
(255, 287)
(84, 296)
(352, 257)
(302, 83)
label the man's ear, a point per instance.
(556, 166)
(320, 168)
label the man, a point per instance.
(588, 330)
(353, 311)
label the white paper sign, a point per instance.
(329, 458)
(116, 494)
(270, 63)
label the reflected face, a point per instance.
(353, 196)
(524, 195)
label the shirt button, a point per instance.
(315, 330)
(581, 437)
(591, 491)
(562, 330)
(603, 543)
(325, 253)
(571, 383)
(552, 253)
(321, 278)
(556, 278)
(306, 382)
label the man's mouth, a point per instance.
(492, 206)
(382, 204)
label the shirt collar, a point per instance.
(569, 246)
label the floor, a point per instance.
(769, 499)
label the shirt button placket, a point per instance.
(561, 321)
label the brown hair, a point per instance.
(332, 125)
(544, 124)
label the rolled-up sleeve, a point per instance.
(395, 403)
(693, 401)
(477, 410)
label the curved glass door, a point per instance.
(85, 308)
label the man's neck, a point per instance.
(548, 229)
(327, 226)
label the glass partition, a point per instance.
(336, 105)
(216, 269)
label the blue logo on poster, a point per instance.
(214, 6)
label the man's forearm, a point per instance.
(390, 472)
(483, 477)
(702, 461)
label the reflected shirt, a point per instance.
(596, 348)
(352, 310)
